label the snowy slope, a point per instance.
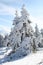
(31, 59)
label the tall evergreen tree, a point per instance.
(21, 36)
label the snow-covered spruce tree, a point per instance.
(6, 40)
(21, 36)
(38, 37)
(1, 40)
(15, 35)
(41, 39)
(42, 32)
(28, 30)
(34, 46)
(37, 33)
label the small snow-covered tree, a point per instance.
(37, 33)
(5, 40)
(1, 40)
(40, 40)
(34, 47)
(39, 37)
(42, 32)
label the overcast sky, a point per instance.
(7, 13)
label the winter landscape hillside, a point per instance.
(30, 59)
(23, 46)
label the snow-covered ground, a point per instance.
(31, 59)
